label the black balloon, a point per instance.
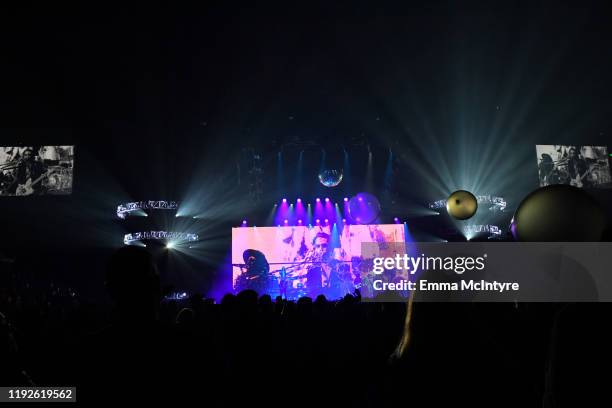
(558, 213)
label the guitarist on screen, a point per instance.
(28, 175)
(578, 169)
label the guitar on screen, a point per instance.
(578, 181)
(27, 188)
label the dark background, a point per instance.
(160, 101)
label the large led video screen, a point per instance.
(580, 166)
(309, 260)
(36, 170)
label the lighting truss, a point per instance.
(123, 210)
(495, 203)
(472, 230)
(176, 237)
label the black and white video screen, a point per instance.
(580, 166)
(36, 170)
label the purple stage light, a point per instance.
(299, 221)
(318, 221)
(360, 198)
(345, 199)
(344, 220)
(327, 199)
(244, 222)
(284, 200)
(286, 221)
(299, 200)
(396, 220)
(326, 221)
(318, 200)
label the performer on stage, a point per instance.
(282, 283)
(256, 275)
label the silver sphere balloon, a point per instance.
(331, 177)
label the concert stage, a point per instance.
(297, 261)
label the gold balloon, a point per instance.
(461, 205)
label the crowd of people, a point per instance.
(258, 350)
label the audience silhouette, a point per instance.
(249, 349)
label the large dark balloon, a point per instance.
(558, 213)
(461, 205)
